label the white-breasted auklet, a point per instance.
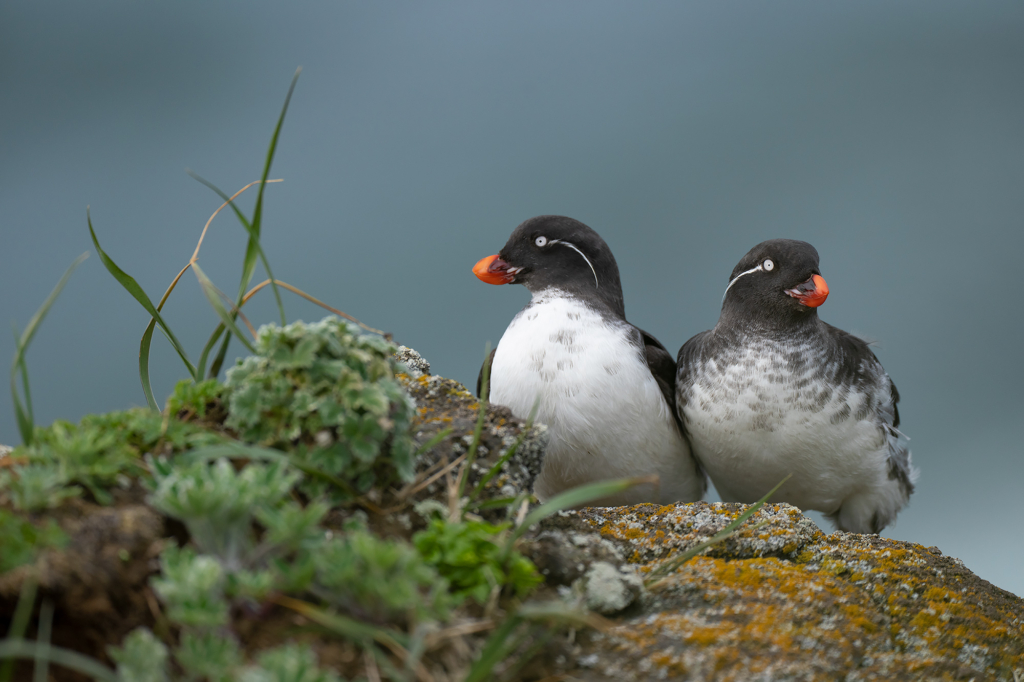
(605, 388)
(772, 391)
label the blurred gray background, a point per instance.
(889, 135)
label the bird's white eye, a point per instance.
(768, 265)
(541, 241)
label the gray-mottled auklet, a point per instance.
(605, 387)
(772, 391)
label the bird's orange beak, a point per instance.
(493, 270)
(811, 293)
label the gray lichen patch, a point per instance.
(609, 589)
(415, 363)
(443, 404)
(795, 604)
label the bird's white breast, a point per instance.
(607, 416)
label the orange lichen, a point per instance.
(820, 608)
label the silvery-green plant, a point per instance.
(208, 656)
(289, 663)
(192, 587)
(217, 503)
(328, 392)
(34, 487)
(140, 658)
(379, 579)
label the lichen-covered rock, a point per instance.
(415, 363)
(648, 532)
(784, 601)
(609, 589)
(443, 403)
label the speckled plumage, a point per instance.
(764, 396)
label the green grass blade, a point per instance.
(133, 288)
(19, 648)
(213, 296)
(144, 346)
(481, 414)
(508, 453)
(657, 575)
(223, 195)
(252, 235)
(221, 354)
(201, 367)
(19, 623)
(249, 264)
(25, 387)
(23, 413)
(349, 628)
(41, 670)
(429, 445)
(495, 650)
(575, 497)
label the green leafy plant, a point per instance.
(33, 487)
(192, 587)
(102, 450)
(289, 663)
(217, 503)
(194, 397)
(469, 556)
(21, 540)
(379, 579)
(207, 655)
(329, 392)
(140, 658)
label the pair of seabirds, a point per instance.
(771, 391)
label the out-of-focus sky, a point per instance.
(889, 135)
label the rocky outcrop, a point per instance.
(780, 600)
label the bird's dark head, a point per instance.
(776, 282)
(557, 252)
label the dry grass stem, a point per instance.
(195, 255)
(403, 494)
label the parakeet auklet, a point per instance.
(772, 391)
(606, 388)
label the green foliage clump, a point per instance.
(192, 587)
(141, 658)
(194, 397)
(100, 451)
(469, 556)
(329, 392)
(20, 539)
(89, 455)
(379, 579)
(217, 503)
(208, 656)
(289, 663)
(33, 487)
(144, 658)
